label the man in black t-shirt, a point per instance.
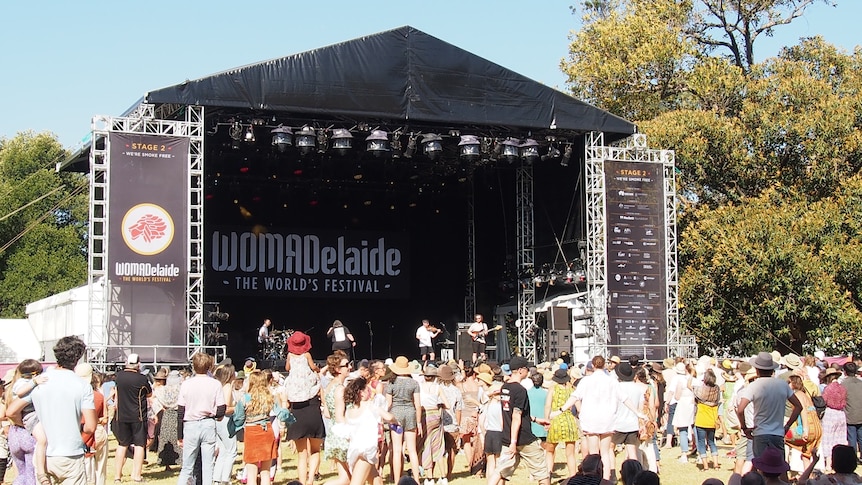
(341, 337)
(130, 424)
(519, 443)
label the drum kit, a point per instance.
(275, 345)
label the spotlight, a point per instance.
(510, 149)
(249, 134)
(306, 140)
(282, 138)
(377, 143)
(432, 146)
(342, 141)
(235, 133)
(469, 148)
(529, 150)
(553, 152)
(567, 155)
(411, 147)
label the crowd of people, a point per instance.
(405, 421)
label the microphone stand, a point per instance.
(370, 339)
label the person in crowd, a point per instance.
(62, 403)
(626, 425)
(199, 405)
(252, 413)
(730, 420)
(225, 428)
(275, 382)
(811, 430)
(490, 420)
(403, 401)
(596, 399)
(853, 410)
(363, 417)
(590, 472)
(29, 373)
(433, 402)
(263, 336)
(425, 335)
(341, 337)
(844, 462)
(629, 469)
(165, 406)
(450, 417)
(337, 436)
(768, 396)
(302, 386)
(708, 397)
(470, 441)
(834, 421)
(564, 426)
(519, 443)
(132, 391)
(96, 455)
(771, 465)
(683, 416)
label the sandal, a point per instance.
(43, 479)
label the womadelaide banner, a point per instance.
(148, 193)
(308, 263)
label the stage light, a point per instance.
(342, 141)
(282, 138)
(529, 151)
(411, 147)
(396, 145)
(510, 149)
(377, 143)
(249, 134)
(469, 148)
(235, 132)
(432, 146)
(567, 155)
(306, 140)
(553, 152)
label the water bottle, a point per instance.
(397, 428)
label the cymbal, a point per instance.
(276, 332)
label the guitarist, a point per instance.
(477, 331)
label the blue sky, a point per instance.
(65, 61)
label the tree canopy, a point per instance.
(768, 158)
(42, 223)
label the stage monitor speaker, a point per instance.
(559, 318)
(557, 342)
(463, 346)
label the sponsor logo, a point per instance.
(147, 229)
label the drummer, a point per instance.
(263, 336)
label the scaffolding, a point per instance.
(630, 149)
(100, 336)
(526, 322)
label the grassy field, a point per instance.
(672, 472)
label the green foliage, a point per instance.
(43, 218)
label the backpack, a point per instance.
(819, 405)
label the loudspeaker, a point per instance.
(463, 345)
(559, 318)
(558, 341)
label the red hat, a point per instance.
(298, 343)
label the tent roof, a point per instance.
(402, 74)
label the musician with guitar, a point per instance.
(478, 330)
(425, 334)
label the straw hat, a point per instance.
(84, 371)
(445, 373)
(792, 361)
(430, 371)
(298, 343)
(403, 367)
(485, 377)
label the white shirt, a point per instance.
(600, 395)
(424, 336)
(262, 334)
(478, 328)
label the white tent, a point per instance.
(17, 341)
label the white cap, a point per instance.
(133, 359)
(819, 354)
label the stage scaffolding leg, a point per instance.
(526, 293)
(470, 290)
(596, 253)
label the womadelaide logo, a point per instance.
(147, 229)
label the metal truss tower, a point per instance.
(142, 120)
(631, 149)
(526, 293)
(470, 290)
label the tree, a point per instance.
(42, 223)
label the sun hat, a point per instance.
(771, 461)
(743, 367)
(445, 373)
(831, 371)
(679, 368)
(298, 343)
(575, 373)
(750, 374)
(518, 362)
(561, 376)
(625, 372)
(84, 371)
(430, 371)
(485, 377)
(483, 368)
(776, 356)
(402, 367)
(764, 361)
(615, 358)
(792, 361)
(668, 362)
(726, 364)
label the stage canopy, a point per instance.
(403, 75)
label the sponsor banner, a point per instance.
(148, 193)
(637, 287)
(308, 263)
